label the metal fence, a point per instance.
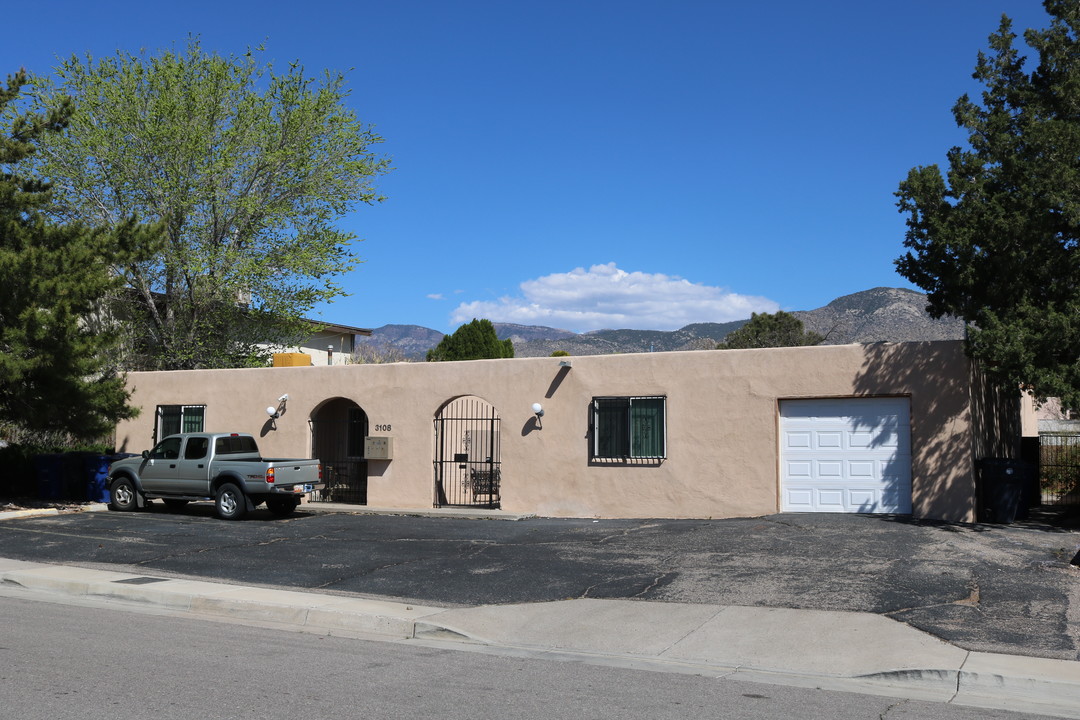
(1059, 468)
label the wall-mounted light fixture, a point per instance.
(276, 412)
(538, 409)
(566, 363)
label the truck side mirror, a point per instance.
(145, 454)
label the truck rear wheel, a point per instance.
(230, 502)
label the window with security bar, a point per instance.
(629, 427)
(173, 419)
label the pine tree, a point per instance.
(997, 240)
(55, 370)
(476, 340)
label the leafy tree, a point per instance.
(55, 372)
(476, 340)
(997, 240)
(765, 330)
(246, 169)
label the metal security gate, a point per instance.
(1059, 468)
(338, 431)
(467, 454)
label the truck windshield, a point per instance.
(235, 445)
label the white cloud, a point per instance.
(435, 296)
(606, 297)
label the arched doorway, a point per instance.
(338, 428)
(467, 446)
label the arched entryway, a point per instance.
(338, 428)
(467, 446)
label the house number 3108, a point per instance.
(382, 428)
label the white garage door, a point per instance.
(850, 455)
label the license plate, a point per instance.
(307, 487)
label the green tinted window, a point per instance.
(629, 427)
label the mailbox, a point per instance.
(378, 448)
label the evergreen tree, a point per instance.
(55, 371)
(476, 340)
(997, 240)
(766, 330)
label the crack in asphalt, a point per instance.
(201, 551)
(625, 532)
(654, 584)
(369, 571)
(889, 709)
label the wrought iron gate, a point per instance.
(338, 441)
(1059, 468)
(467, 454)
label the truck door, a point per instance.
(193, 471)
(158, 471)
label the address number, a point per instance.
(382, 428)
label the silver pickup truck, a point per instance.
(223, 467)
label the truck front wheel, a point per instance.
(122, 495)
(230, 502)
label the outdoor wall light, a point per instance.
(276, 412)
(539, 410)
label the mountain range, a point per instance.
(880, 314)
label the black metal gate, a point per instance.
(338, 432)
(467, 454)
(1059, 468)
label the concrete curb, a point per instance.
(884, 657)
(307, 610)
(38, 512)
(35, 512)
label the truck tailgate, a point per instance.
(295, 473)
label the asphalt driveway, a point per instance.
(1008, 589)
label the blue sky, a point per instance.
(593, 164)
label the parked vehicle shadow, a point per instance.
(207, 510)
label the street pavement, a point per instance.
(975, 614)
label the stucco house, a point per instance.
(880, 428)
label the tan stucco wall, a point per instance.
(722, 414)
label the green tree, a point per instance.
(476, 340)
(766, 330)
(246, 169)
(56, 375)
(997, 240)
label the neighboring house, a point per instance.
(880, 428)
(331, 345)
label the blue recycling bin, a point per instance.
(97, 477)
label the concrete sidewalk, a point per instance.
(856, 652)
